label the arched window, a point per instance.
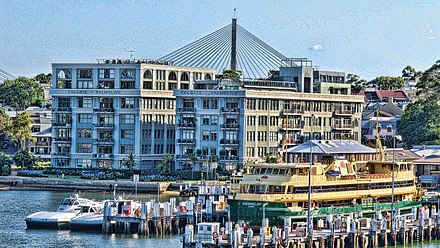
(64, 74)
(208, 77)
(148, 74)
(184, 77)
(172, 76)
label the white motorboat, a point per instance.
(60, 219)
(91, 222)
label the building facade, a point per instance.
(242, 122)
(104, 111)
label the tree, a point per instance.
(387, 83)
(356, 83)
(409, 72)
(5, 164)
(420, 123)
(165, 166)
(20, 130)
(5, 123)
(43, 78)
(229, 74)
(130, 162)
(429, 84)
(25, 159)
(21, 93)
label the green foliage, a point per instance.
(429, 84)
(409, 72)
(130, 162)
(357, 84)
(25, 159)
(270, 159)
(387, 83)
(43, 78)
(230, 74)
(165, 166)
(5, 123)
(21, 93)
(20, 130)
(420, 123)
(5, 164)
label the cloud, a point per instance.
(431, 37)
(316, 47)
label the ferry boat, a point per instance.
(339, 185)
(69, 208)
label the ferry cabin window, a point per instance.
(269, 171)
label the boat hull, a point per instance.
(252, 211)
(49, 220)
(87, 223)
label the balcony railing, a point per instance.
(234, 158)
(104, 125)
(342, 126)
(102, 156)
(186, 110)
(61, 155)
(229, 142)
(290, 141)
(293, 126)
(230, 110)
(61, 124)
(62, 139)
(104, 110)
(41, 143)
(343, 112)
(63, 109)
(230, 126)
(103, 140)
(186, 141)
(292, 111)
(186, 125)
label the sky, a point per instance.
(369, 38)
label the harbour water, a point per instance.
(16, 205)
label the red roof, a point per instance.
(392, 93)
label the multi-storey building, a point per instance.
(104, 111)
(240, 122)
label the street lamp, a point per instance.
(309, 217)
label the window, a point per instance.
(172, 76)
(105, 135)
(146, 149)
(84, 163)
(85, 102)
(127, 119)
(214, 104)
(127, 134)
(213, 136)
(205, 120)
(84, 133)
(106, 84)
(85, 73)
(214, 119)
(126, 149)
(84, 118)
(127, 85)
(84, 148)
(63, 102)
(205, 135)
(128, 74)
(208, 77)
(160, 75)
(184, 76)
(106, 73)
(85, 84)
(64, 74)
(106, 118)
(148, 74)
(127, 102)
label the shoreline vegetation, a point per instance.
(66, 184)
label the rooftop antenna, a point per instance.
(234, 12)
(131, 53)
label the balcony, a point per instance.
(230, 111)
(186, 110)
(102, 156)
(230, 126)
(61, 124)
(291, 126)
(229, 158)
(104, 125)
(343, 112)
(229, 142)
(186, 141)
(104, 110)
(342, 126)
(63, 109)
(292, 111)
(186, 125)
(61, 155)
(62, 139)
(290, 141)
(103, 141)
(41, 143)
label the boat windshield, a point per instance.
(69, 202)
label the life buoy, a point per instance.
(215, 235)
(127, 209)
(344, 224)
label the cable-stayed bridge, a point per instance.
(230, 47)
(5, 76)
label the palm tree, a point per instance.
(194, 159)
(166, 164)
(130, 162)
